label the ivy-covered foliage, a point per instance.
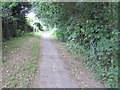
(90, 29)
(14, 22)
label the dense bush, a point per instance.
(90, 29)
(14, 22)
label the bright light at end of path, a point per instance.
(31, 15)
(46, 34)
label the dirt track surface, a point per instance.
(52, 73)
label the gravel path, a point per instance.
(52, 73)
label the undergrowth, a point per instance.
(106, 75)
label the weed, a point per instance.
(12, 78)
(11, 84)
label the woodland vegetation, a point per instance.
(89, 29)
(14, 22)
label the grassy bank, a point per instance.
(20, 68)
(13, 44)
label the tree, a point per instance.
(14, 22)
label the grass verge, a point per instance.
(29, 70)
(20, 74)
(13, 44)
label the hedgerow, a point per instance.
(90, 29)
